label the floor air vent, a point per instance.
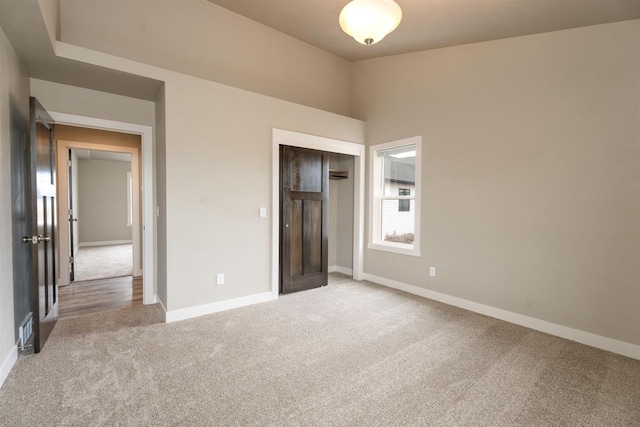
(25, 330)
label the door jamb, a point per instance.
(296, 139)
(149, 293)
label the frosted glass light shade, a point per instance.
(368, 21)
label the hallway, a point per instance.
(100, 295)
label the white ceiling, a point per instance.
(431, 24)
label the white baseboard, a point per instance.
(587, 338)
(105, 243)
(214, 307)
(338, 269)
(8, 363)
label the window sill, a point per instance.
(395, 248)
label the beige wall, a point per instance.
(59, 98)
(51, 14)
(531, 172)
(102, 199)
(333, 223)
(344, 226)
(14, 112)
(218, 173)
(341, 214)
(204, 40)
(160, 161)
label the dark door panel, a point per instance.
(20, 210)
(304, 199)
(43, 236)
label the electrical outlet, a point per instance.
(432, 271)
(263, 212)
(220, 279)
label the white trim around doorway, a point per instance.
(295, 139)
(149, 293)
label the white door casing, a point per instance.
(296, 139)
(146, 202)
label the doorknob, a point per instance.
(73, 219)
(36, 239)
(27, 239)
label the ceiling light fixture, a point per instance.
(368, 21)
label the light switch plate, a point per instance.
(263, 212)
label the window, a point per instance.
(404, 205)
(395, 206)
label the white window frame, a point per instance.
(376, 197)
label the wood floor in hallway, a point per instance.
(100, 295)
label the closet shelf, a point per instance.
(336, 174)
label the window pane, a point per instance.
(399, 169)
(404, 205)
(397, 225)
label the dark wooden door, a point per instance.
(72, 219)
(20, 210)
(44, 291)
(304, 216)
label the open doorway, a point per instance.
(100, 229)
(316, 215)
(356, 153)
(100, 214)
(341, 186)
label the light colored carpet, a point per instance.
(103, 262)
(347, 354)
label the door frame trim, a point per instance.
(302, 140)
(149, 292)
